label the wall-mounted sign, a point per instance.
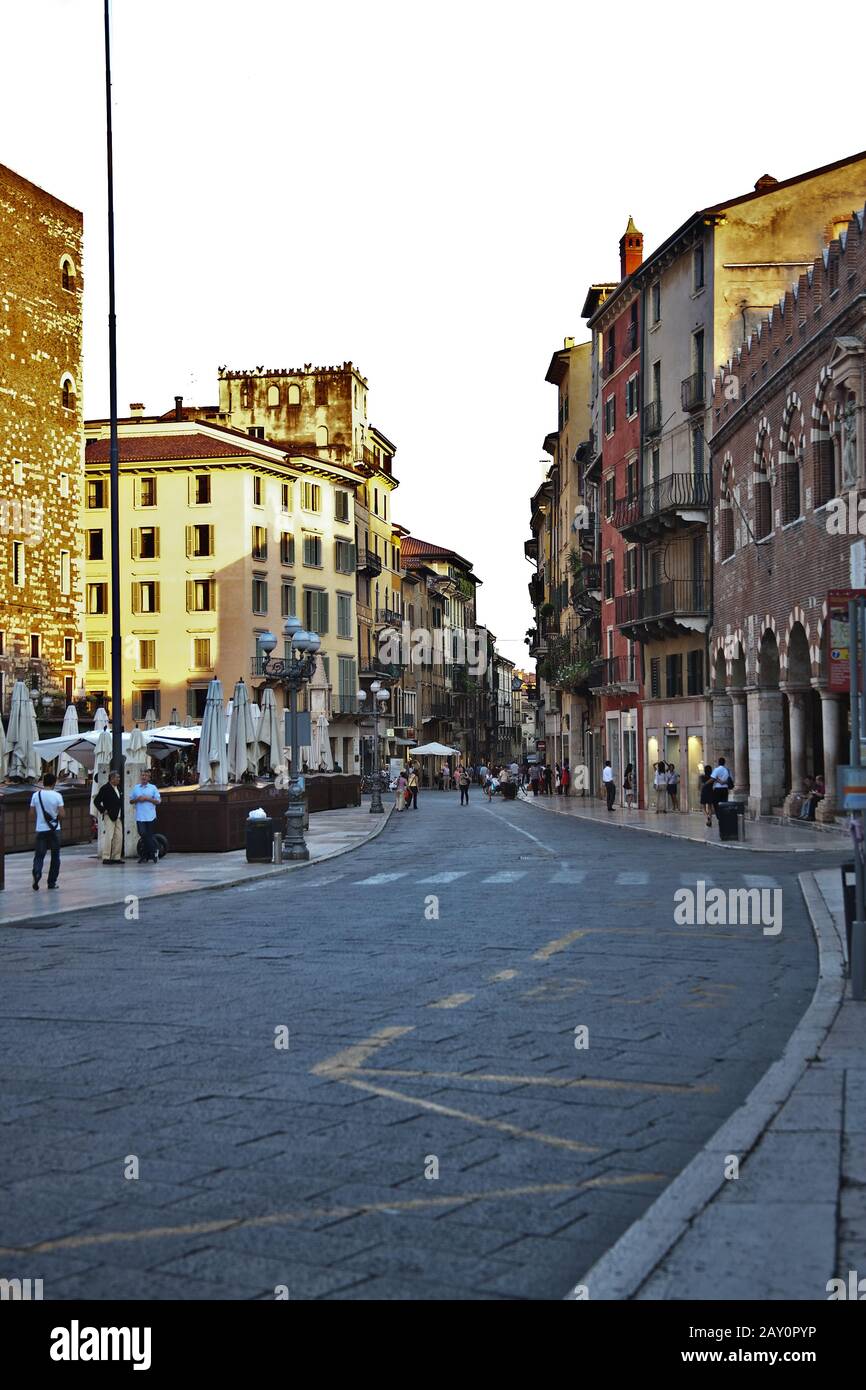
(839, 638)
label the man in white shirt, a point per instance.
(48, 805)
(609, 784)
(145, 798)
(722, 781)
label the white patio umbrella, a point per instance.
(320, 751)
(241, 753)
(212, 765)
(175, 717)
(269, 734)
(23, 761)
(433, 750)
(69, 730)
(101, 719)
(4, 756)
(101, 764)
(150, 718)
(33, 723)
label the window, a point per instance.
(792, 472)
(145, 543)
(67, 392)
(698, 265)
(288, 600)
(631, 396)
(273, 396)
(145, 596)
(260, 594)
(321, 391)
(199, 541)
(697, 451)
(147, 492)
(344, 557)
(294, 395)
(322, 436)
(18, 472)
(96, 656)
(256, 431)
(347, 682)
(609, 578)
(68, 649)
(631, 481)
(34, 646)
(196, 699)
(96, 494)
(313, 551)
(341, 505)
(610, 415)
(257, 490)
(824, 462)
(763, 503)
(344, 615)
(65, 572)
(67, 274)
(143, 701)
(287, 549)
(695, 672)
(147, 654)
(97, 598)
(311, 497)
(609, 495)
(246, 394)
(726, 527)
(201, 493)
(656, 301)
(201, 595)
(674, 675)
(630, 568)
(655, 677)
(376, 501)
(316, 611)
(201, 657)
(64, 484)
(285, 497)
(260, 543)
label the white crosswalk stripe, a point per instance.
(689, 880)
(566, 874)
(381, 878)
(448, 877)
(759, 881)
(505, 876)
(632, 877)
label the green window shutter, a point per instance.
(190, 596)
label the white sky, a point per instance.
(425, 189)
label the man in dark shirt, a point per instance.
(107, 803)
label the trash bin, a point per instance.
(509, 790)
(728, 816)
(260, 839)
(849, 896)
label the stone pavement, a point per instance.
(795, 1217)
(85, 882)
(685, 825)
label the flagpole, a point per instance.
(114, 453)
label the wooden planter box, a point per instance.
(19, 822)
(212, 820)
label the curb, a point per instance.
(621, 1272)
(275, 872)
(694, 839)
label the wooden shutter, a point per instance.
(210, 540)
(135, 542)
(190, 540)
(157, 607)
(190, 596)
(156, 542)
(135, 601)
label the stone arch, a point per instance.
(273, 396)
(824, 445)
(322, 436)
(762, 480)
(294, 394)
(797, 657)
(68, 274)
(68, 392)
(769, 666)
(792, 444)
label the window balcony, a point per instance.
(652, 418)
(672, 608)
(389, 617)
(381, 670)
(614, 675)
(678, 500)
(694, 392)
(369, 564)
(586, 589)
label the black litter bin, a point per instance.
(260, 840)
(728, 816)
(849, 896)
(509, 790)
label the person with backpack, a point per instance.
(107, 803)
(48, 805)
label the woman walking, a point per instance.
(707, 799)
(400, 792)
(660, 784)
(628, 787)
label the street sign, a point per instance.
(304, 735)
(839, 638)
(851, 787)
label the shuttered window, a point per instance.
(316, 611)
(199, 541)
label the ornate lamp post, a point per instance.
(380, 698)
(293, 672)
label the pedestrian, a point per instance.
(48, 805)
(535, 778)
(446, 777)
(548, 780)
(107, 802)
(412, 788)
(400, 791)
(483, 774)
(722, 783)
(145, 798)
(628, 786)
(673, 786)
(565, 778)
(463, 781)
(707, 795)
(660, 783)
(609, 784)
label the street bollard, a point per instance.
(858, 960)
(277, 855)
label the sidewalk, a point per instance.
(85, 883)
(795, 1217)
(685, 825)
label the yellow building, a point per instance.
(221, 537)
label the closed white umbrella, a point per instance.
(4, 756)
(69, 730)
(212, 767)
(270, 733)
(175, 717)
(23, 761)
(321, 759)
(101, 764)
(241, 752)
(150, 718)
(101, 719)
(33, 724)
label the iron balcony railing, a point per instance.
(368, 563)
(694, 392)
(673, 598)
(586, 586)
(613, 670)
(391, 616)
(652, 417)
(675, 492)
(391, 670)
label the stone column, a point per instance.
(796, 696)
(830, 731)
(766, 749)
(722, 730)
(740, 768)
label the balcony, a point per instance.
(369, 564)
(389, 617)
(614, 675)
(694, 392)
(586, 589)
(381, 670)
(536, 590)
(609, 360)
(440, 709)
(652, 418)
(672, 608)
(680, 499)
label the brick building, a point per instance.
(41, 443)
(787, 421)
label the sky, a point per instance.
(425, 190)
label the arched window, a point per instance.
(726, 516)
(294, 394)
(763, 492)
(67, 392)
(322, 436)
(246, 395)
(67, 273)
(273, 395)
(823, 461)
(792, 481)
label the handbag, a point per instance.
(53, 825)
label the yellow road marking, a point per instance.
(352, 1057)
(503, 975)
(281, 1218)
(453, 1001)
(558, 1082)
(562, 943)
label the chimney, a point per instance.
(764, 182)
(136, 409)
(178, 407)
(630, 250)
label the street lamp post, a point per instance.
(294, 672)
(380, 699)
